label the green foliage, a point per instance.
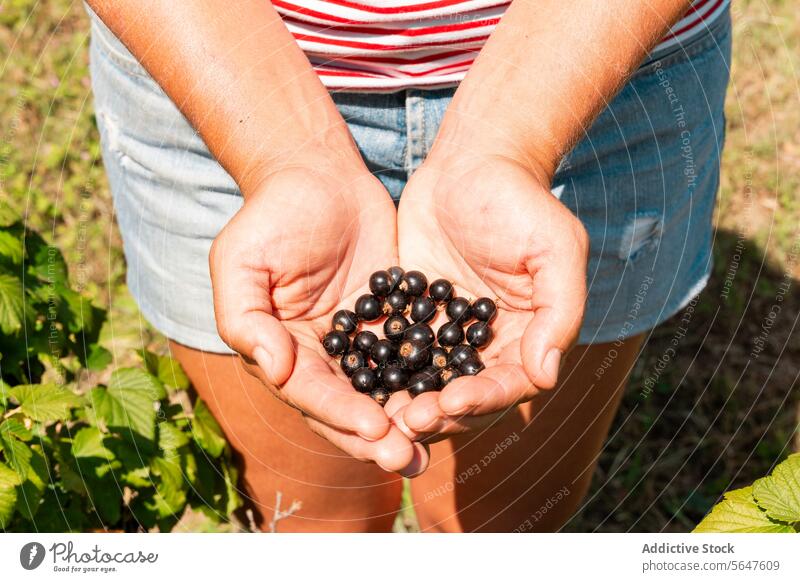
(770, 505)
(78, 453)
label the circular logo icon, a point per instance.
(31, 555)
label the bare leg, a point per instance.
(278, 453)
(531, 470)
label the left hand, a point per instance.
(492, 227)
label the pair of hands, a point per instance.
(305, 243)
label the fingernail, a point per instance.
(552, 362)
(416, 465)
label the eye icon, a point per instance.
(31, 555)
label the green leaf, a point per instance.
(8, 494)
(88, 443)
(98, 358)
(60, 512)
(135, 381)
(233, 499)
(11, 247)
(738, 513)
(8, 216)
(32, 489)
(171, 373)
(47, 262)
(18, 454)
(4, 390)
(12, 304)
(106, 497)
(170, 497)
(150, 361)
(170, 437)
(166, 369)
(206, 431)
(128, 404)
(779, 494)
(45, 402)
(75, 311)
(134, 471)
(12, 426)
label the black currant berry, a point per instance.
(394, 327)
(471, 366)
(420, 332)
(459, 310)
(364, 340)
(345, 320)
(461, 353)
(441, 290)
(335, 343)
(479, 334)
(393, 378)
(380, 283)
(352, 361)
(450, 334)
(368, 308)
(395, 303)
(423, 309)
(414, 354)
(439, 358)
(395, 276)
(414, 283)
(484, 309)
(363, 379)
(448, 374)
(426, 380)
(383, 352)
(380, 395)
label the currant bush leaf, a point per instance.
(206, 431)
(128, 404)
(779, 494)
(33, 488)
(12, 304)
(45, 402)
(738, 513)
(8, 494)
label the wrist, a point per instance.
(336, 158)
(466, 139)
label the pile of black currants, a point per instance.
(410, 356)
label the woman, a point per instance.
(254, 152)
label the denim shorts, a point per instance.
(643, 181)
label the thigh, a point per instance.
(530, 471)
(278, 454)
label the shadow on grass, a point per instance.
(713, 402)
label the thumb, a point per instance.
(558, 302)
(243, 311)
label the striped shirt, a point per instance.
(389, 45)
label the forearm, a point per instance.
(548, 69)
(239, 77)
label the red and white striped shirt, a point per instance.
(389, 45)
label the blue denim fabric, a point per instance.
(643, 181)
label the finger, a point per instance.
(495, 388)
(559, 298)
(394, 452)
(314, 389)
(426, 422)
(243, 308)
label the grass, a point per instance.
(723, 411)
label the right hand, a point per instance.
(303, 246)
